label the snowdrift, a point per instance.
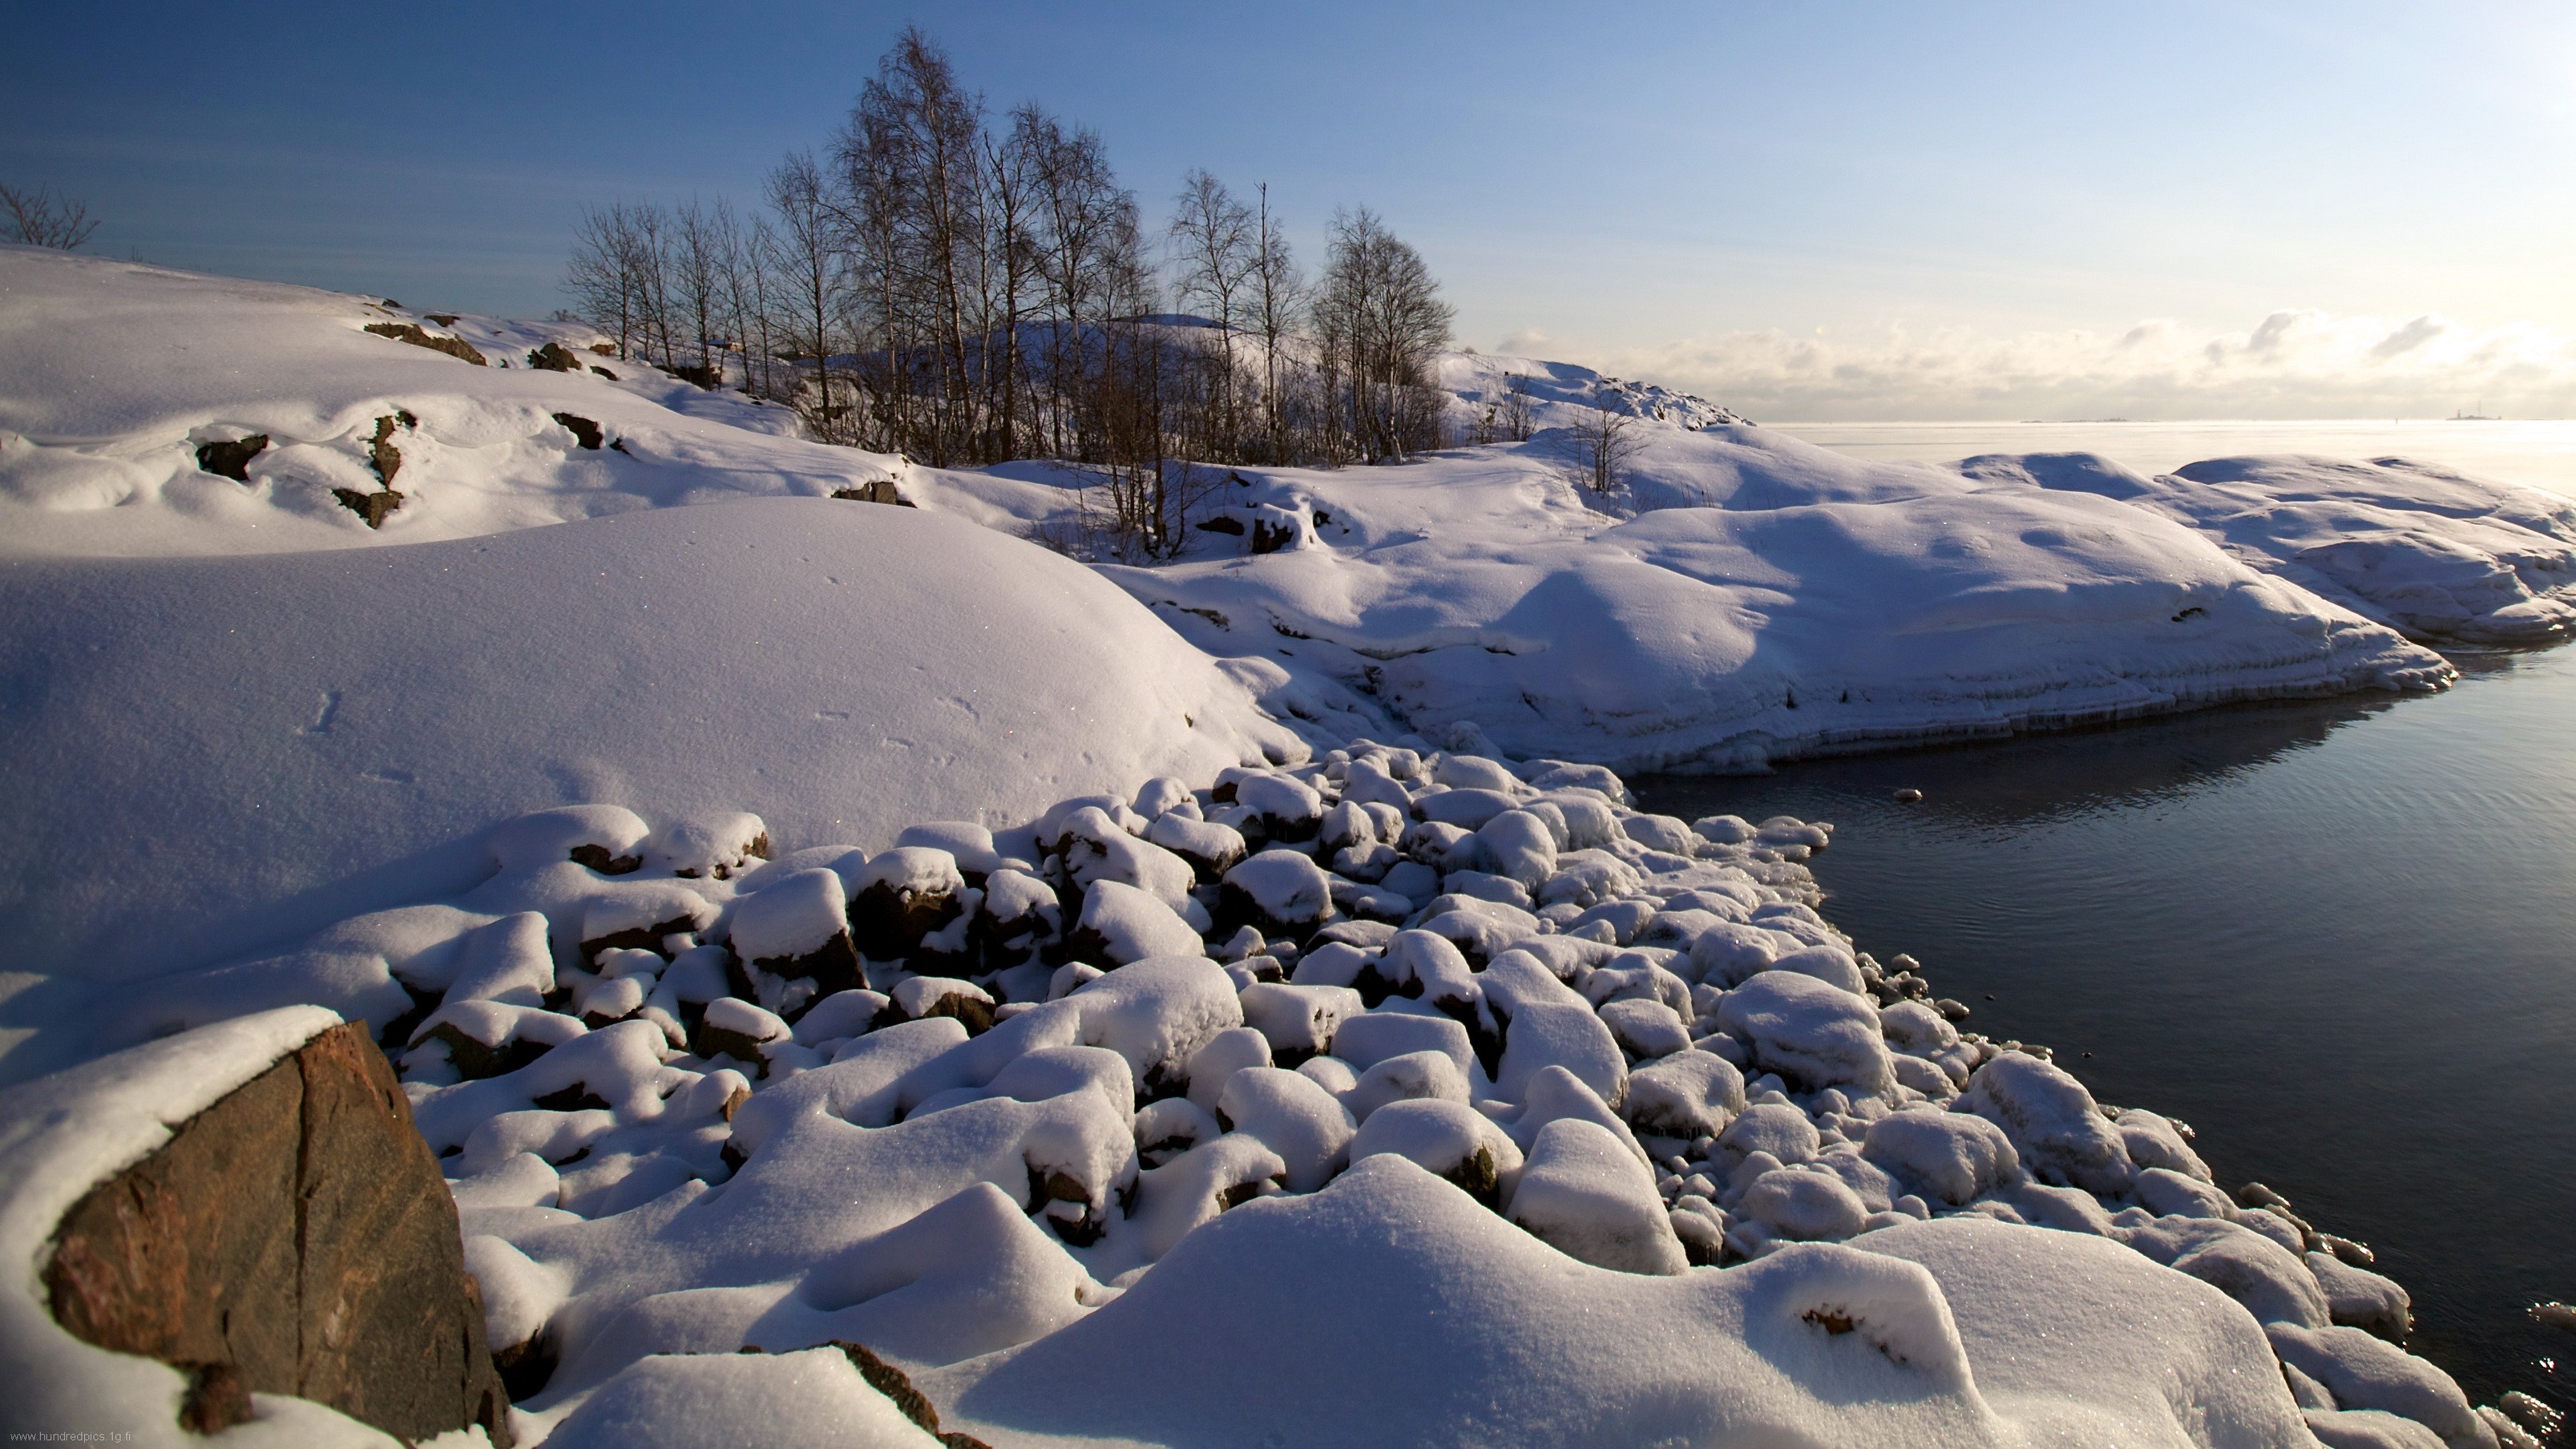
(1767, 600)
(113, 375)
(2433, 553)
(206, 752)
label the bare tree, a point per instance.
(1211, 236)
(1278, 296)
(610, 274)
(696, 279)
(1604, 442)
(811, 277)
(1515, 417)
(1380, 321)
(39, 219)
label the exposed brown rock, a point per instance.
(231, 460)
(456, 347)
(888, 924)
(375, 507)
(443, 319)
(875, 490)
(381, 450)
(583, 430)
(637, 938)
(604, 349)
(832, 966)
(554, 357)
(604, 372)
(294, 1238)
(597, 858)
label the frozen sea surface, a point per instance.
(2338, 938)
(2541, 454)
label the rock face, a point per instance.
(294, 1238)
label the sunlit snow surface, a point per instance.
(1603, 1044)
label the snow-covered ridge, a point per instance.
(1308, 1101)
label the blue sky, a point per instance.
(1812, 210)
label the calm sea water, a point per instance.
(2339, 938)
(2541, 454)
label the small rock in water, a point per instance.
(1908, 796)
(2554, 1315)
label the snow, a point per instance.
(358, 764)
(1512, 1113)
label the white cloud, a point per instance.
(2291, 364)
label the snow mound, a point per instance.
(114, 375)
(1767, 600)
(845, 670)
(2433, 553)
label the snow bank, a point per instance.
(209, 752)
(1768, 600)
(114, 374)
(2431, 552)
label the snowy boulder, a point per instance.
(797, 926)
(1156, 1013)
(1293, 1117)
(1811, 1033)
(1586, 1195)
(2168, 1193)
(2070, 1330)
(1214, 1064)
(1564, 1035)
(1170, 1127)
(1298, 1020)
(1729, 954)
(1474, 772)
(2270, 1280)
(863, 1086)
(1772, 1127)
(1646, 1029)
(1210, 848)
(1914, 1028)
(1283, 893)
(802, 1400)
(1412, 1076)
(1829, 964)
(1556, 1095)
(602, 837)
(1279, 807)
(1194, 1188)
(2359, 1298)
(1688, 1094)
(2061, 1136)
(1589, 879)
(1949, 1157)
(1096, 849)
(2363, 1372)
(903, 896)
(735, 1028)
(2367, 1428)
(1518, 845)
(1804, 1206)
(1447, 1139)
(1365, 1039)
(2152, 1141)
(967, 843)
(967, 1276)
(1120, 924)
(489, 1038)
(506, 961)
(1465, 810)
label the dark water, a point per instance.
(2338, 938)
